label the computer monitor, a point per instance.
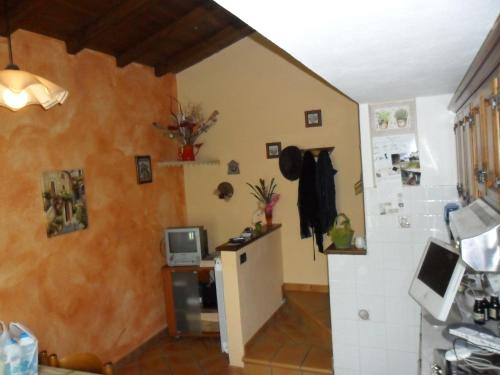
(437, 279)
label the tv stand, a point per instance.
(190, 301)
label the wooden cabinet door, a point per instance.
(490, 127)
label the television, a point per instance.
(437, 278)
(185, 246)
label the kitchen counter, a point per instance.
(237, 246)
(331, 250)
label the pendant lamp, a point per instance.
(19, 88)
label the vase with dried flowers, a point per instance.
(187, 124)
(266, 197)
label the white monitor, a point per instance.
(437, 279)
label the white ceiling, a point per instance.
(376, 50)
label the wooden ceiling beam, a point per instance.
(153, 42)
(76, 43)
(194, 54)
(20, 11)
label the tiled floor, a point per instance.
(297, 340)
(184, 356)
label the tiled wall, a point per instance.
(388, 343)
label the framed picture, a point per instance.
(143, 169)
(396, 118)
(313, 118)
(273, 150)
(64, 204)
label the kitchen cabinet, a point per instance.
(477, 125)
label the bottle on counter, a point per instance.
(486, 306)
(494, 308)
(479, 313)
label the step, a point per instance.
(295, 341)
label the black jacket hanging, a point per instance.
(308, 200)
(325, 183)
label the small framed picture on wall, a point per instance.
(313, 118)
(273, 150)
(143, 169)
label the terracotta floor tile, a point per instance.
(133, 369)
(251, 369)
(290, 356)
(285, 371)
(187, 369)
(317, 359)
(262, 349)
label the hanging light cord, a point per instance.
(9, 43)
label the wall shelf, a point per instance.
(179, 163)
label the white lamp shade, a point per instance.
(19, 88)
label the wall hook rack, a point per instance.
(316, 150)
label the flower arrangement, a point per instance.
(266, 196)
(188, 123)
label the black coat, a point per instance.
(325, 184)
(316, 201)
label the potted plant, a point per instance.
(187, 124)
(383, 119)
(401, 116)
(266, 197)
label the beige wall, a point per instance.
(262, 97)
(252, 290)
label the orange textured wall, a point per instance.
(98, 289)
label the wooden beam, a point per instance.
(78, 41)
(194, 54)
(152, 42)
(20, 11)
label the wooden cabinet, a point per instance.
(190, 301)
(477, 126)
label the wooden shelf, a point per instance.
(349, 251)
(179, 163)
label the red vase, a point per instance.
(268, 212)
(186, 153)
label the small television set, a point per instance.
(185, 246)
(437, 279)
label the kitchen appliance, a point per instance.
(437, 279)
(185, 246)
(476, 229)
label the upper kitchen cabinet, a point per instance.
(477, 125)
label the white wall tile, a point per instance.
(346, 356)
(343, 267)
(342, 286)
(402, 363)
(379, 282)
(344, 306)
(398, 256)
(402, 337)
(346, 332)
(371, 335)
(397, 283)
(373, 361)
(402, 310)
(344, 371)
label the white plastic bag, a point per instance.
(4, 337)
(28, 348)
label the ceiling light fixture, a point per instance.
(19, 88)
